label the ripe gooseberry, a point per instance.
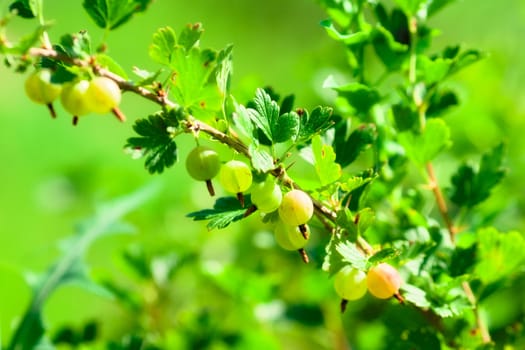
(266, 195)
(296, 208)
(383, 281)
(103, 95)
(350, 283)
(73, 98)
(236, 177)
(203, 164)
(41, 90)
(289, 237)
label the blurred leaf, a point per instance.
(436, 5)
(225, 211)
(462, 260)
(345, 220)
(425, 146)
(190, 35)
(383, 255)
(465, 59)
(352, 255)
(315, 123)
(432, 71)
(348, 39)
(76, 45)
(110, 64)
(70, 267)
(155, 141)
(306, 314)
(361, 97)
(415, 295)
(163, 45)
(440, 102)
(110, 14)
(328, 171)
(405, 118)
(27, 8)
(499, 254)
(364, 218)
(146, 77)
(471, 187)
(410, 7)
(333, 260)
(391, 52)
(359, 140)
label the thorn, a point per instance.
(250, 211)
(240, 197)
(304, 256)
(209, 186)
(118, 113)
(344, 303)
(51, 110)
(304, 231)
(75, 120)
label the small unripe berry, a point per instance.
(103, 95)
(296, 208)
(350, 283)
(39, 87)
(383, 281)
(73, 98)
(203, 164)
(267, 195)
(289, 237)
(235, 176)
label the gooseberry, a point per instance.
(103, 96)
(236, 177)
(266, 195)
(383, 281)
(41, 90)
(296, 208)
(289, 237)
(350, 283)
(73, 98)
(203, 164)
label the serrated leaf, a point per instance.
(352, 255)
(285, 127)
(111, 14)
(261, 159)
(359, 140)
(415, 295)
(155, 142)
(316, 122)
(423, 147)
(499, 254)
(225, 211)
(190, 35)
(194, 85)
(471, 187)
(163, 45)
(266, 111)
(328, 171)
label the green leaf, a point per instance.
(348, 39)
(436, 5)
(423, 147)
(499, 254)
(333, 261)
(194, 84)
(76, 45)
(27, 8)
(391, 52)
(328, 171)
(361, 97)
(225, 211)
(110, 64)
(410, 7)
(190, 35)
(261, 159)
(316, 122)
(70, 268)
(163, 45)
(364, 219)
(471, 187)
(352, 255)
(345, 220)
(277, 128)
(359, 140)
(440, 102)
(155, 142)
(383, 255)
(111, 14)
(432, 71)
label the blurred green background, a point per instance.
(54, 173)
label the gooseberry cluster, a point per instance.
(295, 208)
(80, 97)
(382, 281)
